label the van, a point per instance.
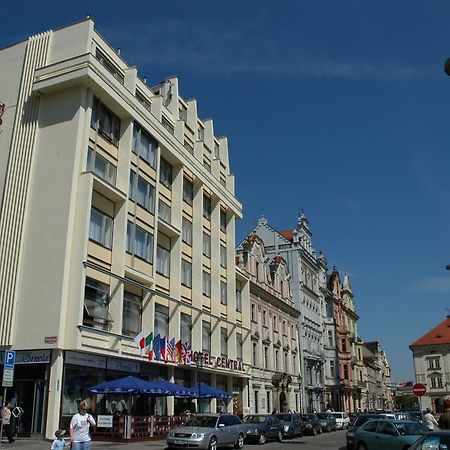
(342, 420)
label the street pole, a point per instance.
(1, 418)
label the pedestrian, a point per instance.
(429, 421)
(274, 411)
(6, 421)
(444, 420)
(59, 442)
(80, 424)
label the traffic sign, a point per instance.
(8, 377)
(419, 390)
(10, 359)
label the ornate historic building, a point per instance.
(274, 329)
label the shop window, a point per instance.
(144, 145)
(105, 122)
(100, 228)
(132, 314)
(101, 166)
(96, 303)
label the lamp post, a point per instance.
(199, 360)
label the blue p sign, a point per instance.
(10, 359)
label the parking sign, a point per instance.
(10, 359)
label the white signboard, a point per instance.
(104, 421)
(8, 377)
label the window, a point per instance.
(223, 293)
(201, 133)
(162, 261)
(254, 354)
(186, 273)
(164, 211)
(275, 323)
(223, 256)
(100, 228)
(277, 356)
(188, 191)
(96, 302)
(105, 122)
(207, 207)
(144, 145)
(206, 336)
(161, 320)
(165, 173)
(264, 318)
(185, 328)
(345, 372)
(436, 382)
(257, 271)
(238, 300)
(239, 346)
(101, 166)
(344, 345)
(142, 192)
(330, 338)
(139, 242)
(216, 150)
(223, 342)
(284, 328)
(167, 124)
(253, 313)
(266, 358)
(186, 231)
(109, 66)
(223, 220)
(207, 245)
(332, 369)
(132, 314)
(206, 282)
(434, 363)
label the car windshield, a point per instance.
(201, 421)
(322, 416)
(254, 419)
(337, 415)
(410, 428)
(284, 417)
(308, 417)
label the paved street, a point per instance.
(334, 440)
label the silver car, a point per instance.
(208, 431)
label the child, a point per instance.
(59, 442)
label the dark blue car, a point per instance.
(262, 427)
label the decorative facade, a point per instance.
(274, 384)
(118, 217)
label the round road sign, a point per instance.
(419, 390)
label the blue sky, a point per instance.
(337, 108)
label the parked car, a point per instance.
(292, 424)
(388, 434)
(362, 419)
(208, 431)
(342, 420)
(311, 424)
(434, 440)
(262, 427)
(327, 421)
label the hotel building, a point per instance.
(117, 216)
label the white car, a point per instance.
(342, 420)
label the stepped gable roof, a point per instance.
(438, 335)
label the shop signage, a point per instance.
(219, 361)
(104, 421)
(30, 357)
(50, 339)
(84, 359)
(123, 365)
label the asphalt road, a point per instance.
(334, 440)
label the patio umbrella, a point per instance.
(209, 392)
(175, 389)
(129, 385)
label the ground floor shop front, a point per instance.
(49, 386)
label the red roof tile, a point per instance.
(438, 335)
(289, 235)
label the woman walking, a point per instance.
(80, 424)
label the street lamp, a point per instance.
(199, 360)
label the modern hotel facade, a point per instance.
(117, 217)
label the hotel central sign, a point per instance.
(221, 362)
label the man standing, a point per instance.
(444, 420)
(429, 421)
(6, 421)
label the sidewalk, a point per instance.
(35, 444)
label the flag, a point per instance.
(188, 353)
(171, 350)
(139, 340)
(157, 348)
(178, 346)
(163, 347)
(148, 341)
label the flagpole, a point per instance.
(199, 364)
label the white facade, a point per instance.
(118, 215)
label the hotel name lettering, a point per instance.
(218, 361)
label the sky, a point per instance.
(337, 108)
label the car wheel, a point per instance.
(262, 439)
(314, 431)
(361, 446)
(212, 444)
(279, 436)
(240, 441)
